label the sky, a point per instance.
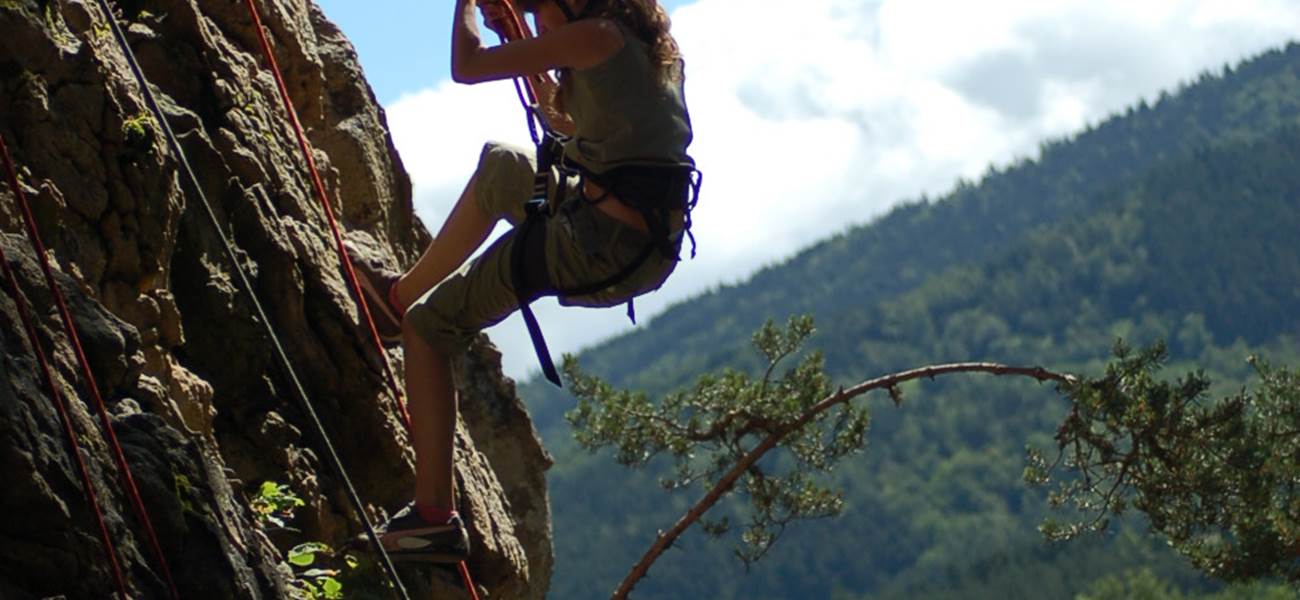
(813, 116)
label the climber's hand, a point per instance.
(495, 15)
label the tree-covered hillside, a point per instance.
(1174, 221)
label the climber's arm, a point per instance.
(577, 45)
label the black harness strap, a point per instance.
(654, 191)
(528, 256)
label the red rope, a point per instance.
(319, 188)
(132, 491)
(469, 582)
(55, 396)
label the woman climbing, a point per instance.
(622, 122)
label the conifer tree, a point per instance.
(1220, 479)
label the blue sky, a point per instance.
(813, 116)
(403, 44)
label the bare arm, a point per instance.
(577, 45)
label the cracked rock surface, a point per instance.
(196, 394)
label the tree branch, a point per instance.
(666, 539)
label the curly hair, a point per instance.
(650, 22)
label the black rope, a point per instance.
(176, 149)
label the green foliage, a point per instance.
(55, 25)
(1220, 479)
(721, 420)
(274, 503)
(183, 491)
(303, 555)
(317, 583)
(101, 31)
(1143, 584)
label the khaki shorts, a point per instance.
(582, 245)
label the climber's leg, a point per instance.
(501, 184)
(429, 529)
(433, 419)
(464, 231)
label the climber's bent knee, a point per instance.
(478, 295)
(503, 181)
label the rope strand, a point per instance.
(70, 434)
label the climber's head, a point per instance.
(550, 14)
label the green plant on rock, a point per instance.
(100, 31)
(184, 490)
(55, 26)
(317, 568)
(138, 130)
(274, 504)
(318, 583)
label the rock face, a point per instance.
(203, 408)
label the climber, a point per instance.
(620, 114)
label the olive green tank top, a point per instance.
(625, 113)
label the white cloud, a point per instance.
(814, 115)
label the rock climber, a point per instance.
(619, 114)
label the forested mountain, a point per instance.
(1175, 221)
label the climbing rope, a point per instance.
(179, 153)
(70, 330)
(323, 197)
(55, 396)
(511, 27)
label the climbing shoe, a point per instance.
(407, 537)
(376, 282)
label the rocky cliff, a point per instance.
(204, 411)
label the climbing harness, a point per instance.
(319, 188)
(174, 145)
(74, 447)
(653, 189)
